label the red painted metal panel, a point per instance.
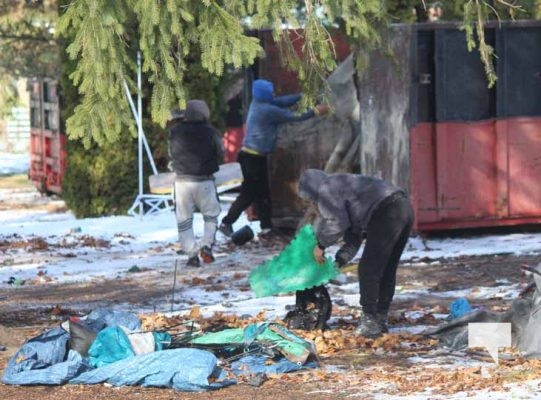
(466, 172)
(232, 141)
(476, 223)
(476, 174)
(524, 136)
(423, 172)
(502, 169)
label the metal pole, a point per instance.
(140, 131)
(136, 117)
(174, 284)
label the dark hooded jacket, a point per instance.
(195, 146)
(345, 202)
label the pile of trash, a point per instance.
(524, 315)
(109, 346)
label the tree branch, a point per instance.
(5, 35)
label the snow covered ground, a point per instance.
(134, 236)
(138, 234)
(14, 163)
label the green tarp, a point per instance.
(293, 269)
(269, 335)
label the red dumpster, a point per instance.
(47, 141)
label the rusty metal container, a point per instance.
(469, 155)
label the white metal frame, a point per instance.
(155, 202)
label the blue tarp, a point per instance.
(181, 369)
(116, 318)
(44, 360)
(111, 345)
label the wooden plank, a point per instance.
(228, 177)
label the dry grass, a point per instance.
(19, 181)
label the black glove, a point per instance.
(352, 243)
(340, 261)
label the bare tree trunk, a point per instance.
(345, 104)
(350, 162)
(341, 150)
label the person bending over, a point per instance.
(356, 208)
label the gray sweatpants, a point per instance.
(196, 196)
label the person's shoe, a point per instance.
(382, 321)
(368, 327)
(206, 254)
(266, 233)
(226, 229)
(193, 262)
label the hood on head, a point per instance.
(263, 90)
(197, 111)
(310, 182)
(177, 113)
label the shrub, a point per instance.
(101, 181)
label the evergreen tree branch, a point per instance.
(108, 33)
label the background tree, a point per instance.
(102, 179)
(27, 45)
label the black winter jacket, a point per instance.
(195, 149)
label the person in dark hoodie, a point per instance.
(265, 114)
(354, 208)
(196, 151)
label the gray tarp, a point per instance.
(529, 341)
(253, 364)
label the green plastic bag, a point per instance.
(293, 269)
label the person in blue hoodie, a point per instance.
(265, 114)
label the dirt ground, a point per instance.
(30, 310)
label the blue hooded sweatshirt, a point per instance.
(266, 113)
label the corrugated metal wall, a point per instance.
(476, 151)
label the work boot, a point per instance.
(226, 229)
(369, 326)
(193, 261)
(382, 321)
(206, 254)
(266, 233)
